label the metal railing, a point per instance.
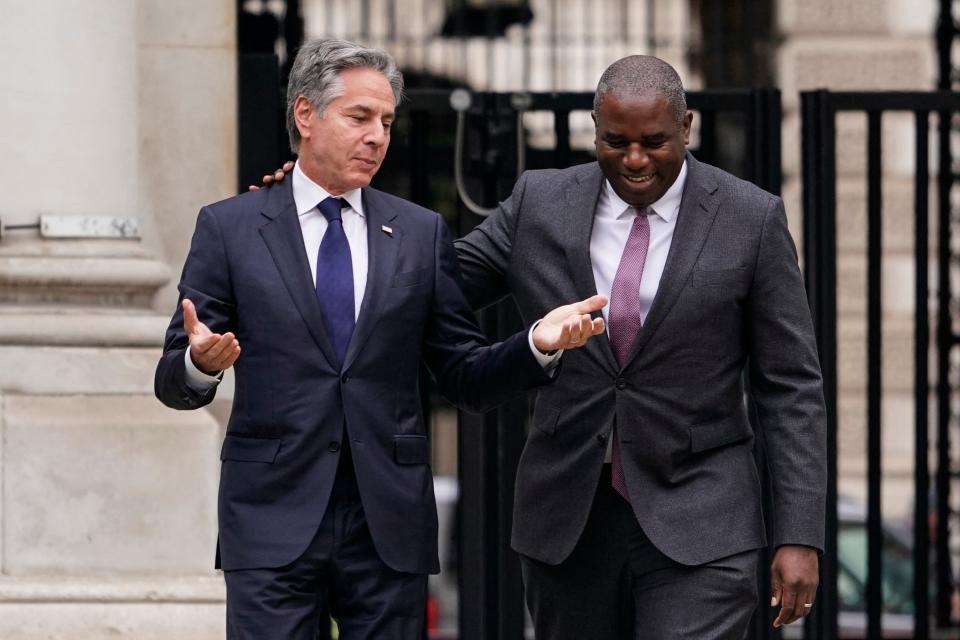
(819, 112)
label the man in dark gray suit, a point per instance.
(638, 509)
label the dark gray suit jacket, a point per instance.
(731, 299)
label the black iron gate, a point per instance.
(931, 603)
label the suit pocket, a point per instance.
(244, 449)
(546, 419)
(716, 277)
(411, 278)
(412, 449)
(712, 435)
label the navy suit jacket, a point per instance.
(247, 272)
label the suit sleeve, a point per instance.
(485, 252)
(787, 386)
(206, 281)
(469, 372)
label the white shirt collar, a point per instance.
(307, 194)
(666, 207)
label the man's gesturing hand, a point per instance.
(569, 326)
(794, 576)
(210, 352)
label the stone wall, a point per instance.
(107, 498)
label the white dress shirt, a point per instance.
(611, 228)
(307, 194)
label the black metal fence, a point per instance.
(819, 112)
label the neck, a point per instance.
(312, 171)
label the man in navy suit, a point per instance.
(335, 292)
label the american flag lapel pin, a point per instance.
(387, 230)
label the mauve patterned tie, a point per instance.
(624, 319)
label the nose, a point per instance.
(377, 134)
(635, 157)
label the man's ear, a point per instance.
(687, 121)
(303, 111)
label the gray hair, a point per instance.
(315, 75)
(640, 76)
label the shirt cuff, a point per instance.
(198, 380)
(549, 362)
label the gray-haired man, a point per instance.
(335, 292)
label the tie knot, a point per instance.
(330, 208)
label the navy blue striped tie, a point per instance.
(335, 279)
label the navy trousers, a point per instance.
(340, 573)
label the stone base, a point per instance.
(108, 484)
(97, 608)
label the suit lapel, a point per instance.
(282, 235)
(382, 249)
(698, 207)
(577, 224)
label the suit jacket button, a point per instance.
(343, 378)
(602, 439)
(621, 384)
(334, 446)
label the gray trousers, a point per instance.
(617, 586)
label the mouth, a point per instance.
(370, 164)
(639, 179)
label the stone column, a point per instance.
(863, 45)
(107, 499)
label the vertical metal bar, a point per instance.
(820, 267)
(419, 158)
(921, 382)
(764, 162)
(945, 33)
(476, 438)
(561, 129)
(708, 136)
(874, 376)
(944, 347)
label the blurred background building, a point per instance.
(120, 119)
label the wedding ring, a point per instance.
(808, 605)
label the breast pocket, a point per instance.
(411, 278)
(718, 277)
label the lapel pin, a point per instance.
(387, 230)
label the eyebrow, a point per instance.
(368, 111)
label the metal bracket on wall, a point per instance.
(79, 227)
